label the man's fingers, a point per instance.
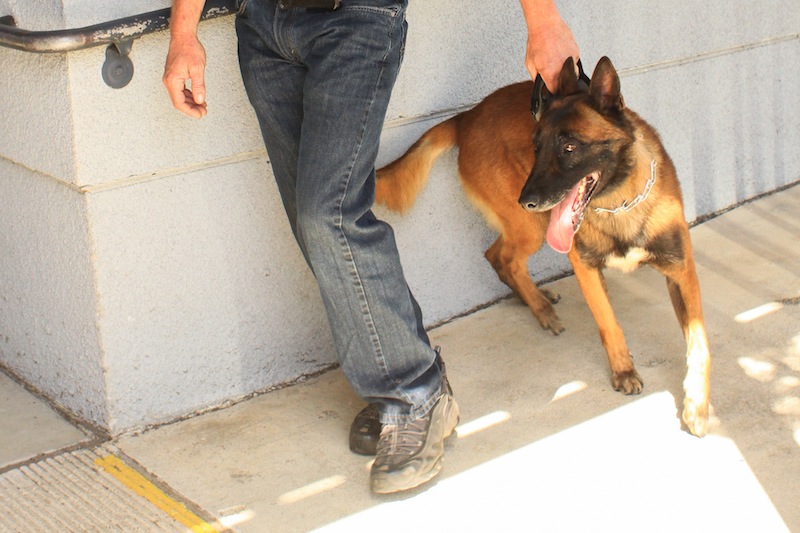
(198, 86)
(175, 88)
(192, 102)
(193, 108)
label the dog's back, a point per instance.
(495, 157)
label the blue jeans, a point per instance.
(320, 84)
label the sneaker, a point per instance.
(411, 454)
(365, 431)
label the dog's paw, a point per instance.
(553, 297)
(695, 416)
(627, 382)
(551, 323)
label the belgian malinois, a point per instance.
(597, 183)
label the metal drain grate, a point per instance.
(87, 491)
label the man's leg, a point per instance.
(372, 312)
(351, 58)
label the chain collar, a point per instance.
(626, 206)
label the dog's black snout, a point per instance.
(529, 205)
(531, 197)
(530, 200)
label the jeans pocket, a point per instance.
(390, 11)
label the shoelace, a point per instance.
(403, 439)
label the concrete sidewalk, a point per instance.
(544, 444)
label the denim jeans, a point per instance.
(320, 83)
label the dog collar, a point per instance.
(627, 206)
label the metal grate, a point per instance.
(89, 490)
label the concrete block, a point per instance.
(205, 296)
(38, 126)
(48, 316)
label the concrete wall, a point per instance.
(148, 271)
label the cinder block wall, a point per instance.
(148, 271)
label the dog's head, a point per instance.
(580, 146)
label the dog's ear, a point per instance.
(568, 80)
(604, 87)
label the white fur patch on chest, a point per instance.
(630, 262)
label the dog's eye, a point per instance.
(568, 148)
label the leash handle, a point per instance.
(537, 98)
(583, 79)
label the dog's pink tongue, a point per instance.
(561, 230)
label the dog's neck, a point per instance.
(641, 197)
(647, 163)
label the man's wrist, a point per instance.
(185, 17)
(538, 11)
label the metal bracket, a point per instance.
(118, 67)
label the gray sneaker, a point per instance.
(411, 454)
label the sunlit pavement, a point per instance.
(544, 444)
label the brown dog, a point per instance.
(598, 168)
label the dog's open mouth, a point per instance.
(567, 215)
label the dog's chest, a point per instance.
(630, 261)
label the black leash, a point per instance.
(537, 98)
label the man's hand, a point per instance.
(550, 41)
(186, 62)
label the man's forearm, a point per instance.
(185, 16)
(538, 12)
(550, 41)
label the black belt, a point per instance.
(314, 5)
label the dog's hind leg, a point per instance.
(624, 376)
(684, 291)
(509, 258)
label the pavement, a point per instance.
(544, 443)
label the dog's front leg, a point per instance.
(684, 290)
(623, 375)
(509, 258)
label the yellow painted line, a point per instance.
(134, 481)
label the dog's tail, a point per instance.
(400, 182)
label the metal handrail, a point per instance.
(113, 32)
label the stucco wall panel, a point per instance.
(135, 131)
(34, 16)
(456, 53)
(636, 34)
(205, 294)
(728, 144)
(80, 13)
(37, 129)
(48, 333)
